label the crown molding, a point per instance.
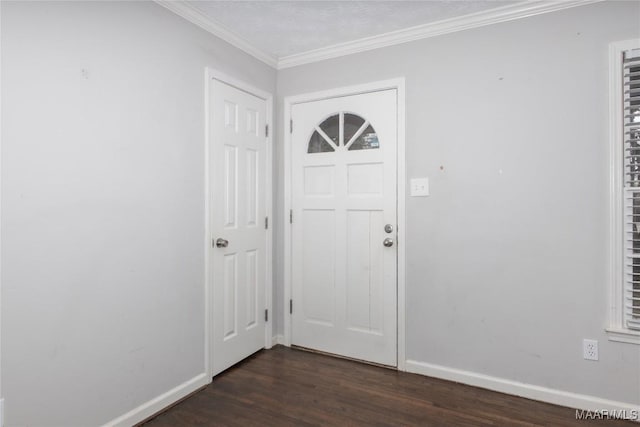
(203, 21)
(432, 29)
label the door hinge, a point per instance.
(266, 222)
(290, 125)
(290, 306)
(290, 216)
(266, 314)
(266, 130)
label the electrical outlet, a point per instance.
(590, 349)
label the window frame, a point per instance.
(341, 144)
(617, 330)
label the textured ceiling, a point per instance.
(283, 28)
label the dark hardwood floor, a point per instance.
(287, 387)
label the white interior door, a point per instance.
(238, 211)
(344, 277)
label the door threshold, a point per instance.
(339, 356)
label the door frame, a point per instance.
(213, 74)
(399, 85)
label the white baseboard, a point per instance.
(157, 404)
(529, 391)
(278, 339)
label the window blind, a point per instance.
(631, 114)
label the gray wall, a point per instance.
(102, 200)
(103, 205)
(506, 273)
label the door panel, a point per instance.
(230, 185)
(252, 288)
(344, 192)
(253, 173)
(238, 153)
(364, 273)
(230, 296)
(318, 269)
(365, 179)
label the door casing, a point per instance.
(212, 74)
(399, 85)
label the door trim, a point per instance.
(289, 101)
(213, 74)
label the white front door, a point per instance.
(344, 258)
(238, 152)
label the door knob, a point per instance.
(222, 243)
(388, 228)
(388, 242)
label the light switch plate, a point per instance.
(419, 187)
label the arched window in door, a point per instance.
(343, 131)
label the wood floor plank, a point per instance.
(289, 387)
